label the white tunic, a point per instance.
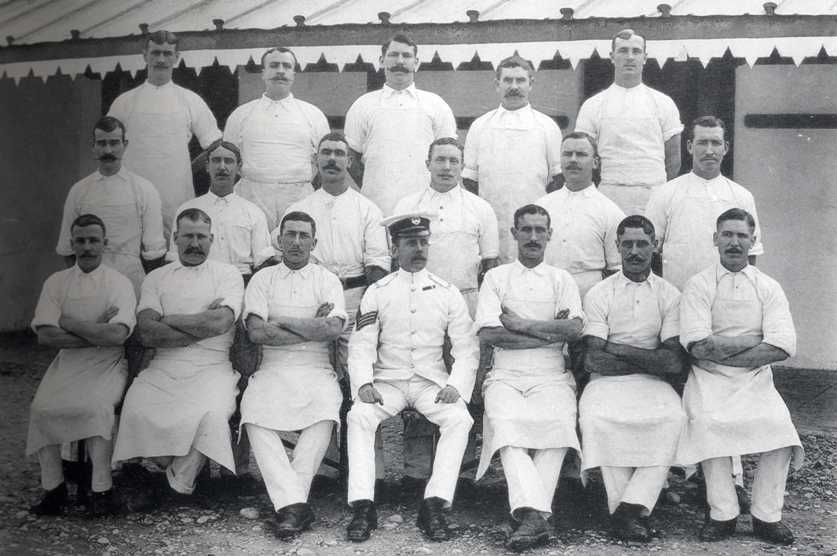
(402, 323)
(684, 212)
(239, 230)
(464, 232)
(130, 208)
(512, 154)
(160, 122)
(81, 387)
(535, 404)
(295, 385)
(393, 130)
(186, 396)
(734, 410)
(631, 420)
(583, 234)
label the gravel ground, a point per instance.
(234, 524)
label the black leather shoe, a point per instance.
(54, 502)
(776, 532)
(364, 519)
(292, 520)
(627, 524)
(100, 504)
(717, 530)
(532, 531)
(431, 519)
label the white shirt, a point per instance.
(463, 232)
(631, 127)
(684, 213)
(401, 327)
(349, 232)
(583, 231)
(277, 138)
(239, 230)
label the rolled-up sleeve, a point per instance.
(471, 166)
(671, 313)
(150, 291)
(230, 287)
(256, 295)
(489, 239)
(354, 127)
(489, 306)
(596, 307)
(569, 298)
(48, 309)
(123, 298)
(695, 311)
(64, 246)
(777, 327)
(153, 240)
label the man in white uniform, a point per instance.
(684, 210)
(513, 151)
(395, 361)
(277, 134)
(389, 130)
(637, 128)
(295, 310)
(87, 312)
(162, 118)
(527, 310)
(734, 322)
(127, 203)
(630, 415)
(177, 409)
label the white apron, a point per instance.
(394, 161)
(295, 385)
(184, 399)
(526, 408)
(77, 396)
(732, 411)
(513, 172)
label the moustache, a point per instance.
(399, 69)
(734, 250)
(87, 255)
(107, 158)
(532, 244)
(330, 165)
(635, 259)
(573, 167)
(514, 93)
(194, 251)
(222, 173)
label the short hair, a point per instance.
(281, 49)
(332, 136)
(445, 141)
(193, 215)
(705, 121)
(161, 37)
(403, 39)
(736, 214)
(583, 135)
(227, 145)
(625, 34)
(88, 220)
(515, 61)
(298, 216)
(635, 221)
(108, 124)
(531, 209)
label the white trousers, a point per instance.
(532, 478)
(768, 486)
(453, 420)
(182, 471)
(98, 449)
(288, 481)
(634, 485)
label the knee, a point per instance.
(362, 416)
(457, 419)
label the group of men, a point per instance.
(522, 298)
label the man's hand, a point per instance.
(108, 314)
(510, 320)
(216, 304)
(563, 314)
(324, 310)
(368, 394)
(448, 394)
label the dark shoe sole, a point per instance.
(520, 544)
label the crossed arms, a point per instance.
(520, 333)
(179, 330)
(75, 333)
(284, 331)
(614, 359)
(739, 351)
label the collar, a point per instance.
(410, 276)
(270, 102)
(388, 91)
(305, 272)
(169, 84)
(541, 269)
(177, 265)
(520, 111)
(699, 179)
(77, 271)
(215, 198)
(121, 174)
(449, 193)
(720, 271)
(624, 281)
(328, 196)
(587, 192)
(620, 88)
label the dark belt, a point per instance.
(353, 282)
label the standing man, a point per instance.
(127, 204)
(734, 322)
(527, 310)
(513, 151)
(684, 210)
(637, 128)
(395, 361)
(87, 312)
(389, 130)
(177, 409)
(162, 118)
(278, 134)
(295, 310)
(583, 220)
(630, 415)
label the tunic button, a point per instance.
(412, 310)
(413, 289)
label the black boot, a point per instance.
(532, 531)
(714, 530)
(775, 532)
(431, 519)
(54, 502)
(364, 519)
(293, 520)
(628, 524)
(100, 504)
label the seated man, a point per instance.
(526, 311)
(177, 409)
(295, 309)
(395, 361)
(734, 322)
(87, 311)
(630, 415)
